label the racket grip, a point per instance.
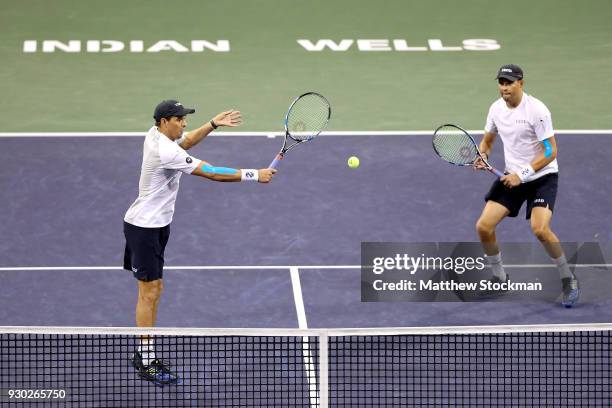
(276, 161)
(498, 173)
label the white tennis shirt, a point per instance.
(163, 162)
(522, 130)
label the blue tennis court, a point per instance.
(232, 247)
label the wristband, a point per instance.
(249, 175)
(213, 124)
(526, 172)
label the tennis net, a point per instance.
(502, 366)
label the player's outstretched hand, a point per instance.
(230, 118)
(265, 175)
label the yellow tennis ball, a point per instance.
(353, 162)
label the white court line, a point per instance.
(196, 267)
(309, 366)
(251, 267)
(272, 134)
(297, 297)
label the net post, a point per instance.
(323, 370)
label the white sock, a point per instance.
(496, 266)
(564, 269)
(147, 351)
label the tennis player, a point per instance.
(147, 222)
(525, 126)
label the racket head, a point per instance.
(307, 116)
(455, 145)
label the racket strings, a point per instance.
(308, 117)
(454, 146)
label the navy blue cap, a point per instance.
(510, 72)
(170, 107)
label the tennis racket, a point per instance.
(307, 116)
(456, 146)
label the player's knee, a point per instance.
(483, 227)
(150, 297)
(541, 232)
(151, 292)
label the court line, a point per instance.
(309, 366)
(190, 267)
(253, 267)
(271, 134)
(298, 298)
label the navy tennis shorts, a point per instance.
(144, 251)
(540, 192)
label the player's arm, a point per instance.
(548, 154)
(229, 118)
(485, 147)
(227, 174)
(486, 144)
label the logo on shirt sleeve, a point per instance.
(543, 121)
(189, 160)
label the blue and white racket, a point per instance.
(307, 116)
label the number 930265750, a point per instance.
(32, 394)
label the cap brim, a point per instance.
(186, 111)
(508, 77)
(182, 112)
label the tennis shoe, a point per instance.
(571, 292)
(156, 372)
